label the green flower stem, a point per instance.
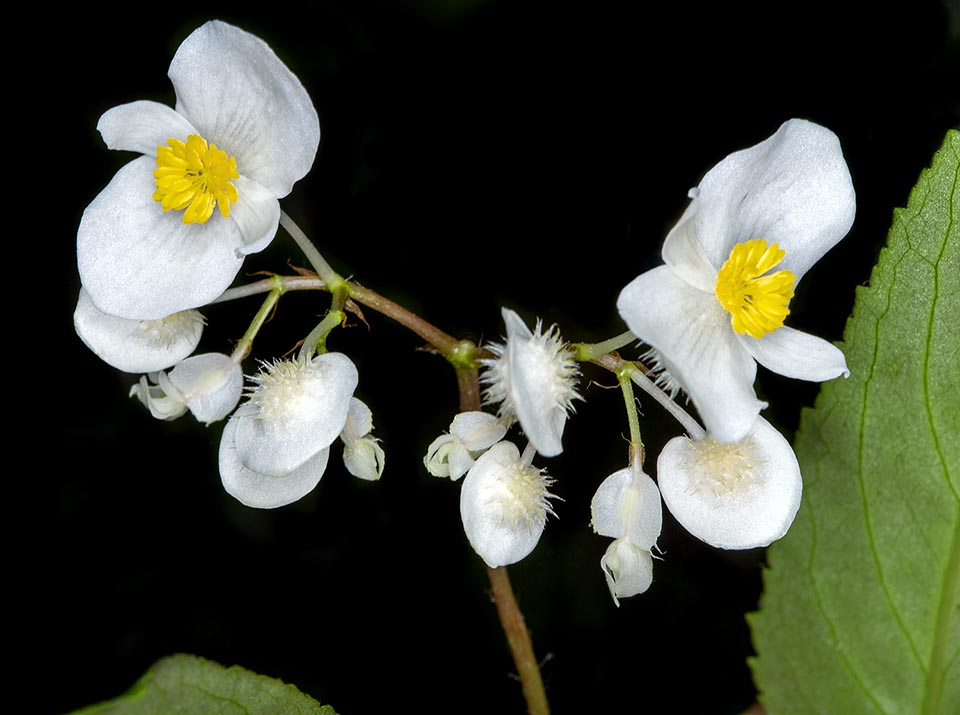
(616, 365)
(511, 618)
(287, 284)
(246, 342)
(588, 352)
(636, 443)
(316, 341)
(319, 263)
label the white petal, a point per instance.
(359, 422)
(502, 522)
(210, 384)
(257, 215)
(142, 127)
(137, 345)
(799, 355)
(683, 253)
(241, 97)
(627, 505)
(477, 430)
(164, 400)
(793, 189)
(305, 413)
(138, 262)
(364, 459)
(692, 333)
(628, 569)
(258, 490)
(733, 496)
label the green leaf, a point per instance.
(188, 685)
(860, 608)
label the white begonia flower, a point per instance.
(471, 434)
(242, 133)
(362, 454)
(209, 385)
(274, 448)
(737, 495)
(504, 504)
(137, 345)
(627, 509)
(533, 378)
(714, 310)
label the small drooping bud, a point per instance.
(209, 385)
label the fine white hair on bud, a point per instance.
(504, 505)
(297, 407)
(533, 379)
(739, 495)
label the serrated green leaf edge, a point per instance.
(809, 658)
(190, 684)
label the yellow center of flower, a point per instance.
(757, 303)
(195, 176)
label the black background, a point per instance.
(504, 153)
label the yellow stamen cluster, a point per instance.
(757, 303)
(195, 176)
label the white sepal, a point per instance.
(628, 569)
(534, 379)
(260, 490)
(504, 505)
(137, 345)
(733, 496)
(627, 506)
(209, 385)
(362, 454)
(299, 407)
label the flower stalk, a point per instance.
(511, 617)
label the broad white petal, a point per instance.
(137, 345)
(793, 189)
(732, 496)
(258, 490)
(300, 413)
(359, 422)
(364, 459)
(502, 518)
(796, 354)
(692, 334)
(142, 127)
(477, 430)
(683, 253)
(627, 505)
(136, 261)
(210, 384)
(628, 569)
(257, 215)
(233, 88)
